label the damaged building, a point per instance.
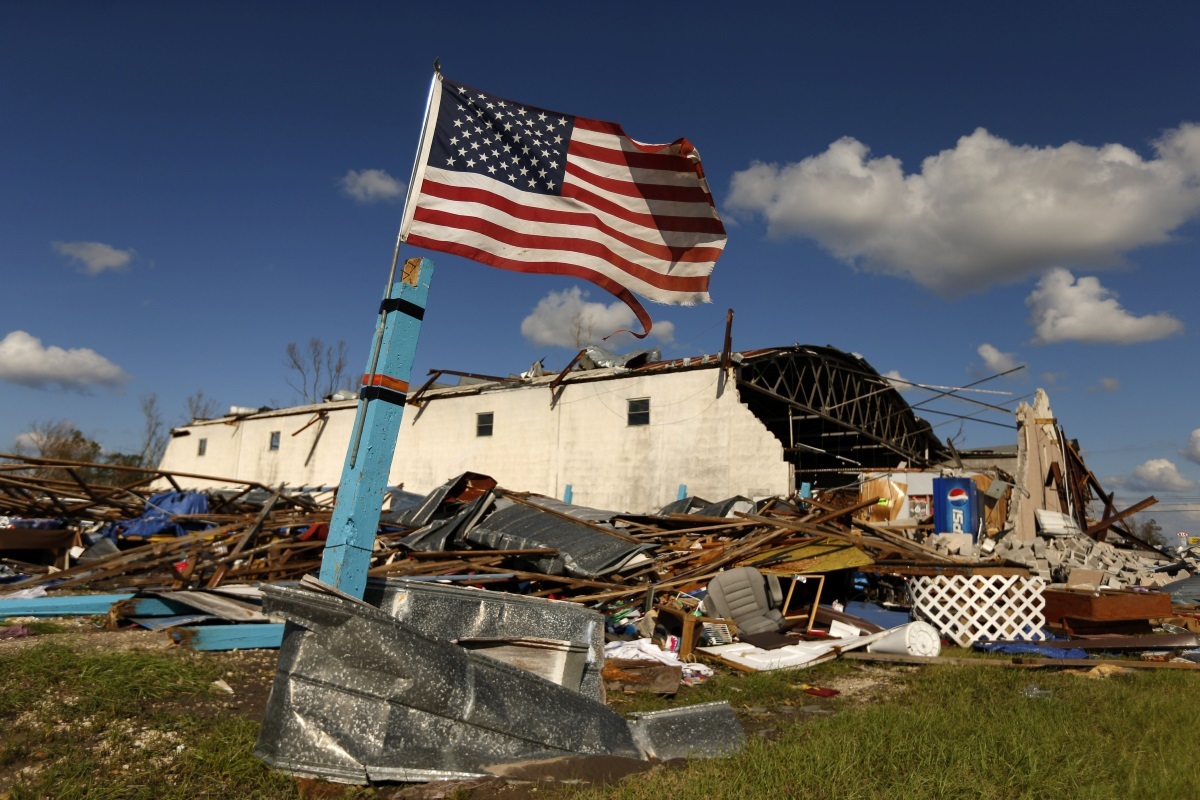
(631, 432)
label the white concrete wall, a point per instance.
(240, 450)
(712, 444)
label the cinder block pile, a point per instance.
(1054, 558)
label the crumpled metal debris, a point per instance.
(451, 613)
(584, 551)
(362, 697)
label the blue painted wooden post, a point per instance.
(381, 401)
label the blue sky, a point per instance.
(942, 188)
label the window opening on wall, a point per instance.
(483, 423)
(274, 440)
(639, 411)
(202, 447)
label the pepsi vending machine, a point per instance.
(957, 507)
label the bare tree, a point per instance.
(316, 370)
(581, 330)
(1148, 530)
(58, 439)
(155, 433)
(200, 407)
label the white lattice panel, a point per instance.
(974, 608)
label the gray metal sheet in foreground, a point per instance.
(450, 613)
(361, 696)
(699, 731)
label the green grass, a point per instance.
(125, 726)
(758, 689)
(38, 626)
(141, 725)
(960, 732)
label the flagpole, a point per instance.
(406, 218)
(346, 558)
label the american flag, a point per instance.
(531, 190)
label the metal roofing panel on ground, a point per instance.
(224, 607)
(450, 613)
(583, 550)
(361, 696)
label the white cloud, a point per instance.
(1108, 385)
(26, 442)
(371, 185)
(26, 361)
(1192, 450)
(568, 319)
(995, 360)
(985, 211)
(95, 257)
(1064, 309)
(898, 381)
(1158, 475)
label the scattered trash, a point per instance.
(1035, 692)
(15, 632)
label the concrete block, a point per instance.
(955, 543)
(1085, 577)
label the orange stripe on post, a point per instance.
(385, 382)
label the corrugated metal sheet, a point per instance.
(450, 613)
(583, 551)
(361, 696)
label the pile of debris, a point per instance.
(459, 610)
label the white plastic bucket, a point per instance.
(914, 639)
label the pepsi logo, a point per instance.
(957, 496)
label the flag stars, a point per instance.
(490, 137)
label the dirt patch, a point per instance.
(87, 634)
(872, 684)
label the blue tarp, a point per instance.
(157, 517)
(1031, 649)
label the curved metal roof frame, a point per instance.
(832, 411)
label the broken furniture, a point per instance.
(56, 543)
(749, 598)
(1082, 611)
